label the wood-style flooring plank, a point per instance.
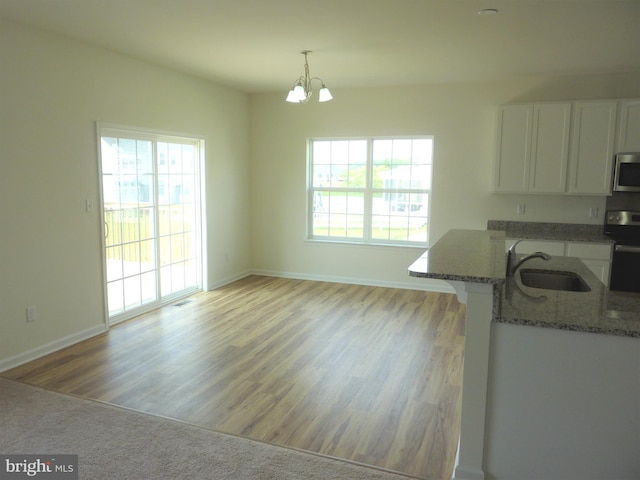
(368, 374)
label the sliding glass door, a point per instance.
(152, 219)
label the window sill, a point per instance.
(341, 243)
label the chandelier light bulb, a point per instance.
(299, 92)
(324, 95)
(292, 97)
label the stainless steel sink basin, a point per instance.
(553, 280)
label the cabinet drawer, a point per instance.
(589, 250)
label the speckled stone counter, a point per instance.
(596, 311)
(563, 232)
(464, 255)
(479, 256)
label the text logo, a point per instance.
(49, 467)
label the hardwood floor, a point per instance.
(367, 374)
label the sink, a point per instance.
(553, 280)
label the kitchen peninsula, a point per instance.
(551, 382)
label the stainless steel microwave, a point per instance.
(626, 175)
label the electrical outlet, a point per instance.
(520, 209)
(593, 212)
(31, 314)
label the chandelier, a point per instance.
(301, 91)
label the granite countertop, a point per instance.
(596, 311)
(478, 256)
(562, 232)
(464, 255)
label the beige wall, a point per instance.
(462, 119)
(52, 92)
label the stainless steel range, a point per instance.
(624, 228)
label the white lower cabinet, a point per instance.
(530, 246)
(596, 256)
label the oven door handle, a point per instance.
(627, 249)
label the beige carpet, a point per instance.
(116, 443)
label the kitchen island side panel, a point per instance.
(562, 405)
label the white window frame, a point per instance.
(368, 192)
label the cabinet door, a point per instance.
(550, 147)
(596, 256)
(555, 249)
(513, 148)
(599, 268)
(629, 126)
(597, 251)
(592, 147)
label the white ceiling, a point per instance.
(254, 45)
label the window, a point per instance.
(370, 190)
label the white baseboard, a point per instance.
(33, 354)
(50, 347)
(425, 284)
(227, 280)
(468, 473)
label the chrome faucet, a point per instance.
(512, 265)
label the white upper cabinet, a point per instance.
(532, 148)
(629, 127)
(550, 147)
(564, 148)
(592, 147)
(513, 153)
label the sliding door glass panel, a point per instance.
(151, 215)
(177, 182)
(128, 187)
